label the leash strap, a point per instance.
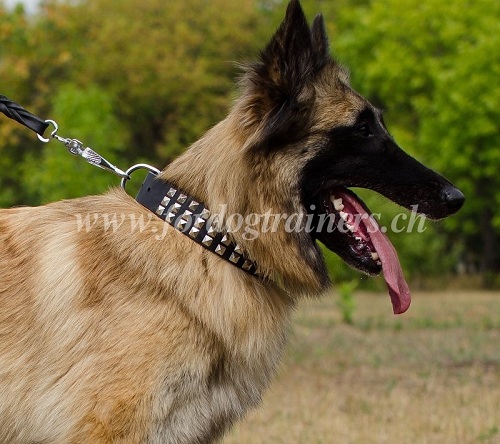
(16, 112)
(191, 218)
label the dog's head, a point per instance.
(313, 136)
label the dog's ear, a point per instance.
(320, 43)
(281, 90)
(288, 57)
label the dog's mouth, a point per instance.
(346, 226)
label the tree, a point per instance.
(13, 67)
(170, 69)
(167, 74)
(31, 67)
(86, 115)
(466, 106)
(435, 67)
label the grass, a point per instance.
(430, 376)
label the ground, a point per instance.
(431, 375)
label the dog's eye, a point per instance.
(364, 131)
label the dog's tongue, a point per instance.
(393, 274)
(391, 268)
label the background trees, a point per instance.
(138, 80)
(434, 67)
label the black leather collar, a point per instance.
(191, 218)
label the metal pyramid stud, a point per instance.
(165, 201)
(211, 231)
(193, 232)
(171, 192)
(234, 258)
(176, 207)
(193, 205)
(237, 249)
(182, 198)
(226, 241)
(187, 215)
(247, 265)
(160, 210)
(200, 223)
(170, 218)
(207, 241)
(220, 249)
(205, 214)
(181, 224)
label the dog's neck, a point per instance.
(209, 168)
(216, 170)
(191, 217)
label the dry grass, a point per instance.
(429, 376)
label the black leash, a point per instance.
(16, 112)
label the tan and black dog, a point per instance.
(143, 335)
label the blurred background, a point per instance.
(139, 80)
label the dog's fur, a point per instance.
(117, 336)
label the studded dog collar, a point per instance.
(191, 218)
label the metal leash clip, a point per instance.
(76, 148)
(16, 112)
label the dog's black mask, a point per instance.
(365, 155)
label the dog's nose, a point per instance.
(453, 198)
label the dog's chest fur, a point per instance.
(107, 336)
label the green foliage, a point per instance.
(55, 174)
(346, 302)
(167, 73)
(434, 66)
(169, 69)
(13, 70)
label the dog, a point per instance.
(152, 335)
